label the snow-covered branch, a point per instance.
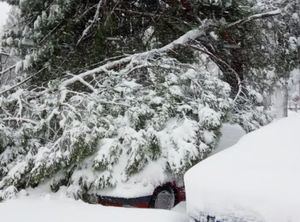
(184, 39)
(20, 120)
(8, 69)
(83, 82)
(223, 63)
(92, 23)
(22, 82)
(254, 17)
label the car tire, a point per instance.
(163, 198)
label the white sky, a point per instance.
(4, 8)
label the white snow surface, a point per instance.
(230, 135)
(256, 180)
(60, 209)
(4, 9)
(141, 184)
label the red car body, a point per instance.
(144, 201)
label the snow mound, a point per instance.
(256, 180)
(48, 209)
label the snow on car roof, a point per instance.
(256, 180)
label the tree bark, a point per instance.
(285, 99)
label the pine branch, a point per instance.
(185, 39)
(219, 60)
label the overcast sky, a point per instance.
(4, 8)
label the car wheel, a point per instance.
(163, 198)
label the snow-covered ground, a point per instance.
(53, 209)
(40, 205)
(256, 180)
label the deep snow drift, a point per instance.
(255, 180)
(49, 209)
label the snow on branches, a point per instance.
(98, 128)
(140, 115)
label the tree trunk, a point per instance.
(285, 99)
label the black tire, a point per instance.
(163, 198)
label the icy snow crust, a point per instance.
(49, 209)
(256, 180)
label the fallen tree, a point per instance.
(94, 129)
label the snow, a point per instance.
(4, 9)
(295, 75)
(180, 207)
(230, 135)
(209, 117)
(187, 37)
(256, 180)
(148, 34)
(50, 209)
(141, 184)
(154, 174)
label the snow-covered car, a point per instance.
(148, 191)
(164, 196)
(256, 180)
